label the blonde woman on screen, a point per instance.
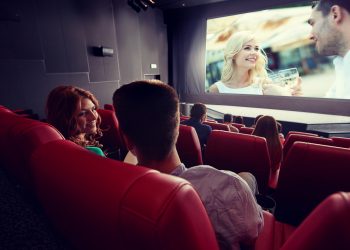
(244, 70)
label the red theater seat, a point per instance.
(274, 233)
(341, 142)
(99, 203)
(188, 146)
(4, 109)
(111, 140)
(300, 133)
(304, 138)
(246, 130)
(108, 107)
(21, 141)
(184, 118)
(309, 174)
(238, 125)
(9, 120)
(217, 126)
(239, 152)
(327, 227)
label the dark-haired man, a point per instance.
(197, 117)
(330, 21)
(229, 201)
(228, 119)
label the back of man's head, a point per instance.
(228, 118)
(198, 111)
(148, 116)
(325, 5)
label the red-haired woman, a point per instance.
(73, 111)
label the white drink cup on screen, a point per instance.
(289, 77)
(286, 77)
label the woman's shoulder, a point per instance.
(95, 150)
(214, 88)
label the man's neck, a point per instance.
(346, 35)
(166, 165)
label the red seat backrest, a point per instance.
(8, 121)
(100, 203)
(327, 227)
(246, 130)
(238, 125)
(21, 141)
(341, 142)
(239, 152)
(304, 138)
(300, 133)
(108, 107)
(111, 138)
(308, 175)
(4, 109)
(217, 126)
(184, 118)
(188, 146)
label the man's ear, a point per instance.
(336, 14)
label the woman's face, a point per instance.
(86, 117)
(247, 56)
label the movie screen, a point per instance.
(266, 52)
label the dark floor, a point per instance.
(23, 224)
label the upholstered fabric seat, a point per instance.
(309, 174)
(100, 203)
(188, 146)
(239, 153)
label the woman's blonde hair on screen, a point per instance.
(233, 47)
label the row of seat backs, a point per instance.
(96, 202)
(99, 203)
(19, 138)
(217, 126)
(308, 175)
(341, 142)
(239, 153)
(292, 132)
(291, 138)
(230, 151)
(298, 207)
(327, 227)
(189, 148)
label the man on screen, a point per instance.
(330, 21)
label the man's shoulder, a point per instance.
(206, 127)
(216, 176)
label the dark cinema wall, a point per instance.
(46, 43)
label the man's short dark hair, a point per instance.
(228, 118)
(148, 115)
(198, 110)
(325, 5)
(239, 119)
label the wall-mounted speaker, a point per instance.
(102, 51)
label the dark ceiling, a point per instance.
(174, 4)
